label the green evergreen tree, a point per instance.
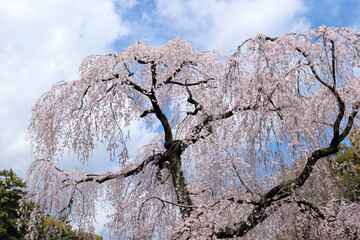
(345, 167)
(11, 191)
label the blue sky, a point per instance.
(43, 41)
(207, 23)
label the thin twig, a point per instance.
(248, 189)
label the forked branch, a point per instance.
(286, 189)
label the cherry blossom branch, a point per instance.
(146, 112)
(341, 103)
(275, 194)
(156, 108)
(244, 201)
(325, 123)
(134, 85)
(196, 130)
(100, 178)
(350, 123)
(285, 189)
(82, 99)
(71, 201)
(173, 152)
(311, 65)
(238, 175)
(141, 61)
(162, 118)
(103, 178)
(128, 82)
(333, 58)
(177, 71)
(310, 206)
(169, 202)
(197, 105)
(153, 76)
(189, 84)
(277, 110)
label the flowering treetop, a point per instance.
(227, 125)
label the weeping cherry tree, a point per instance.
(227, 126)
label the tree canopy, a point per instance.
(227, 125)
(11, 191)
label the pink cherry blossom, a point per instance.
(230, 126)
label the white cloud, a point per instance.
(225, 24)
(42, 42)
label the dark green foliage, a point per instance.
(61, 229)
(11, 191)
(345, 168)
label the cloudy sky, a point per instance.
(43, 41)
